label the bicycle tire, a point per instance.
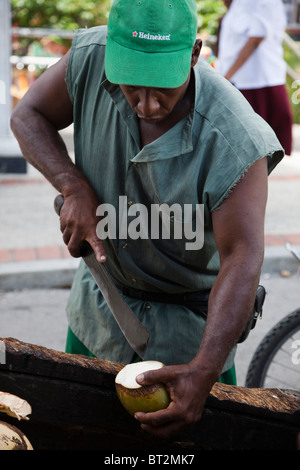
(267, 349)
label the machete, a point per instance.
(133, 330)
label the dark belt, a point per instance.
(193, 300)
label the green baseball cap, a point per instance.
(149, 42)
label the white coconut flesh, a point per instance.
(135, 397)
(11, 438)
(14, 406)
(128, 374)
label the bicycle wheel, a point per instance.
(276, 361)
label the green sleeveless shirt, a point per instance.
(198, 161)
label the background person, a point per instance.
(250, 55)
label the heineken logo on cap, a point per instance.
(151, 37)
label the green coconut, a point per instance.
(135, 397)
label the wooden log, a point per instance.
(75, 406)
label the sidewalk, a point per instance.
(33, 255)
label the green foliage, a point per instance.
(293, 60)
(73, 14)
(56, 14)
(209, 13)
(60, 14)
(292, 88)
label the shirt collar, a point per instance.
(123, 107)
(175, 142)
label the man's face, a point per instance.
(153, 104)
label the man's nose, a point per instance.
(148, 104)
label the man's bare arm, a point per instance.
(45, 109)
(239, 231)
(245, 53)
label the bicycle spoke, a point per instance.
(285, 367)
(276, 383)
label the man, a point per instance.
(156, 126)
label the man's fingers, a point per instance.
(98, 248)
(165, 375)
(73, 243)
(186, 404)
(163, 423)
(75, 232)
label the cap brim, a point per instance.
(126, 66)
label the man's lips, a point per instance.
(150, 118)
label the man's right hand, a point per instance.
(78, 222)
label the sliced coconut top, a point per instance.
(127, 375)
(14, 406)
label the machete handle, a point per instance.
(58, 203)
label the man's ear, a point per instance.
(196, 52)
